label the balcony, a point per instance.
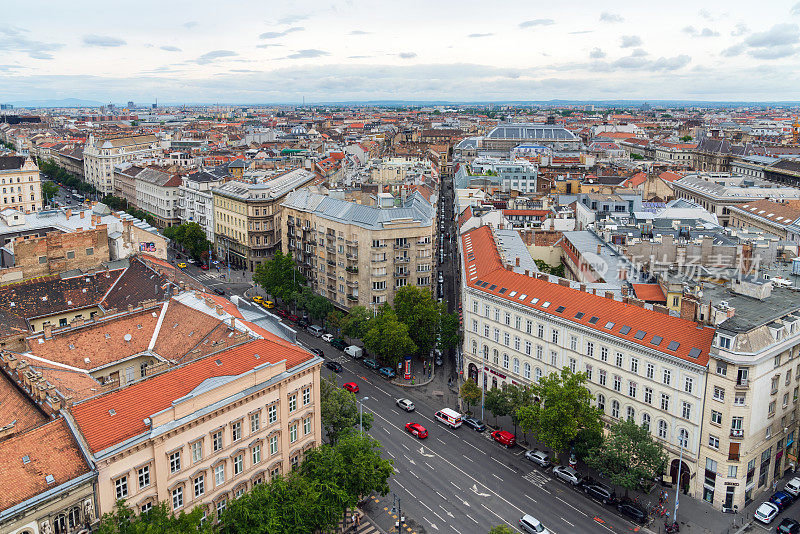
(331, 249)
(351, 243)
(423, 243)
(737, 433)
(379, 246)
(401, 259)
(379, 261)
(351, 256)
(743, 383)
(352, 283)
(352, 297)
(332, 263)
(397, 246)
(351, 270)
(401, 274)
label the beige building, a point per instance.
(20, 184)
(101, 155)
(157, 194)
(361, 255)
(769, 216)
(247, 217)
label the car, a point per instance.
(567, 474)
(302, 323)
(352, 387)
(540, 458)
(504, 437)
(204, 266)
(292, 317)
(531, 525)
(338, 344)
(281, 313)
(793, 487)
(601, 492)
(788, 526)
(781, 500)
(182, 265)
(766, 513)
(405, 404)
(268, 304)
(258, 298)
(219, 291)
(632, 511)
(318, 352)
(372, 363)
(315, 330)
(417, 430)
(327, 338)
(334, 366)
(475, 424)
(387, 372)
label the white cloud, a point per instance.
(275, 35)
(14, 39)
(214, 55)
(479, 35)
(596, 53)
(103, 41)
(407, 55)
(170, 48)
(308, 54)
(610, 18)
(705, 32)
(536, 22)
(629, 41)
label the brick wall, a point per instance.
(58, 252)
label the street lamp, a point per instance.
(361, 414)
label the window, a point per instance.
(739, 399)
(541, 331)
(177, 498)
(497, 335)
(615, 409)
(651, 370)
(526, 371)
(508, 319)
(617, 383)
(273, 445)
(662, 429)
(238, 464)
(619, 359)
(486, 311)
(724, 342)
(255, 422)
(777, 360)
(197, 451)
(632, 389)
(146, 507)
(506, 339)
(716, 417)
(306, 396)
(89, 251)
(646, 422)
(486, 330)
(589, 348)
(602, 377)
(733, 471)
(256, 454)
(719, 394)
(537, 374)
(497, 314)
(175, 462)
(517, 321)
(667, 376)
(236, 431)
(528, 348)
(221, 506)
(475, 325)
(683, 438)
(539, 352)
(307, 421)
(603, 354)
(722, 368)
(601, 402)
(144, 476)
(219, 474)
(665, 402)
(516, 343)
(573, 343)
(199, 486)
(553, 358)
(688, 384)
(686, 410)
(573, 364)
(529, 326)
(293, 433)
(555, 336)
(635, 365)
(474, 306)
(292, 402)
(771, 409)
(216, 441)
(121, 487)
(588, 372)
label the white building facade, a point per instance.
(101, 155)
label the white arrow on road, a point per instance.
(395, 469)
(422, 452)
(433, 526)
(475, 490)
(412, 462)
(465, 503)
(448, 512)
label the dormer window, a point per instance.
(724, 341)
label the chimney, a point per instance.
(48, 331)
(599, 249)
(661, 309)
(624, 291)
(609, 295)
(563, 282)
(69, 213)
(82, 213)
(583, 287)
(233, 324)
(220, 310)
(517, 262)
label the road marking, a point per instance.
(404, 445)
(440, 441)
(468, 458)
(567, 522)
(387, 430)
(474, 520)
(413, 473)
(429, 466)
(379, 389)
(568, 504)
(531, 498)
(440, 495)
(474, 447)
(440, 517)
(406, 490)
(501, 463)
(497, 516)
(425, 505)
(454, 485)
(390, 454)
(497, 477)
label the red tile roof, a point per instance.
(18, 408)
(489, 271)
(649, 292)
(51, 450)
(539, 214)
(132, 404)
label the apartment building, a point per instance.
(360, 255)
(101, 155)
(125, 182)
(157, 194)
(20, 184)
(515, 175)
(247, 217)
(750, 423)
(196, 202)
(642, 363)
(771, 217)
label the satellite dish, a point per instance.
(127, 337)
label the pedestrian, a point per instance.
(775, 484)
(358, 519)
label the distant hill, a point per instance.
(60, 103)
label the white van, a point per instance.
(315, 330)
(354, 352)
(451, 418)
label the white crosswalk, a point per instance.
(536, 478)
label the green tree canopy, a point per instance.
(418, 310)
(564, 407)
(628, 455)
(451, 331)
(496, 401)
(190, 236)
(470, 392)
(334, 320)
(518, 396)
(339, 410)
(388, 338)
(49, 191)
(158, 520)
(356, 322)
(279, 278)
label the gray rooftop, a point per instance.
(751, 312)
(531, 131)
(270, 189)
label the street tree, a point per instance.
(356, 322)
(334, 320)
(49, 191)
(496, 401)
(517, 396)
(562, 408)
(158, 520)
(278, 277)
(470, 392)
(418, 310)
(587, 439)
(339, 410)
(190, 236)
(319, 307)
(628, 455)
(388, 338)
(451, 332)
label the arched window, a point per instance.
(486, 352)
(60, 524)
(631, 413)
(516, 366)
(495, 356)
(662, 429)
(74, 517)
(646, 422)
(537, 374)
(601, 402)
(615, 409)
(505, 361)
(526, 370)
(683, 438)
(474, 347)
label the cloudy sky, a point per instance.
(268, 51)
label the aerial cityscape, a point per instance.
(329, 268)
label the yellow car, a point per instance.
(258, 298)
(182, 265)
(268, 304)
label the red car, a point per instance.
(352, 387)
(292, 317)
(204, 267)
(282, 313)
(504, 438)
(417, 429)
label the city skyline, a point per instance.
(361, 52)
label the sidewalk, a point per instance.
(363, 524)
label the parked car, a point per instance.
(475, 424)
(766, 513)
(292, 317)
(333, 366)
(318, 352)
(371, 363)
(792, 487)
(302, 323)
(405, 404)
(327, 338)
(387, 372)
(540, 458)
(567, 474)
(258, 298)
(352, 387)
(781, 500)
(417, 430)
(338, 344)
(315, 330)
(182, 265)
(354, 352)
(219, 291)
(531, 525)
(204, 266)
(632, 511)
(504, 437)
(281, 313)
(601, 492)
(788, 526)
